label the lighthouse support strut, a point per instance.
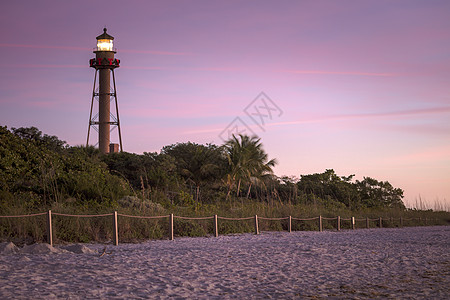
(117, 111)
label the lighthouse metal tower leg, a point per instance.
(92, 105)
(117, 111)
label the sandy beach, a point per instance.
(368, 263)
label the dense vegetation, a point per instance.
(39, 172)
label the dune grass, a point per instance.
(100, 229)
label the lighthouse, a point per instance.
(104, 121)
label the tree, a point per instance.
(376, 193)
(328, 186)
(38, 172)
(196, 163)
(288, 188)
(51, 142)
(248, 162)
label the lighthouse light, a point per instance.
(104, 45)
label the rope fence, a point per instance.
(309, 219)
(82, 216)
(24, 216)
(215, 219)
(274, 219)
(192, 218)
(234, 219)
(143, 217)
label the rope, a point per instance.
(310, 219)
(81, 216)
(199, 218)
(235, 219)
(22, 216)
(207, 218)
(273, 219)
(143, 217)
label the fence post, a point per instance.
(116, 230)
(290, 224)
(381, 222)
(216, 228)
(320, 224)
(256, 225)
(49, 228)
(367, 223)
(426, 221)
(338, 223)
(401, 222)
(171, 227)
(353, 223)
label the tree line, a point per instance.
(37, 170)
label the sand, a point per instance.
(367, 263)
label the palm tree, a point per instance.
(248, 162)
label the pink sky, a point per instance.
(361, 86)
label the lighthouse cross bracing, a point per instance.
(104, 64)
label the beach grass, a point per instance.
(67, 229)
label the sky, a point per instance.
(361, 87)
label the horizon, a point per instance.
(358, 87)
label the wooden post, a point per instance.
(216, 228)
(381, 222)
(367, 223)
(401, 222)
(256, 225)
(49, 228)
(171, 227)
(353, 223)
(116, 230)
(290, 224)
(426, 223)
(320, 224)
(338, 223)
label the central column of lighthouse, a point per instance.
(104, 98)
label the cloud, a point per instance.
(42, 104)
(154, 52)
(434, 157)
(319, 72)
(145, 68)
(44, 47)
(44, 66)
(6, 45)
(404, 113)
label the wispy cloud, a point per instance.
(154, 52)
(404, 113)
(324, 72)
(425, 155)
(43, 66)
(145, 68)
(43, 47)
(342, 117)
(6, 45)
